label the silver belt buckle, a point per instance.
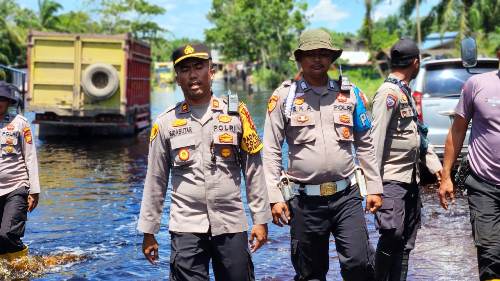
(327, 188)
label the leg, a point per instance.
(484, 204)
(309, 233)
(232, 260)
(189, 257)
(351, 236)
(389, 220)
(412, 222)
(13, 221)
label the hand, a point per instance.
(32, 201)
(259, 232)
(150, 248)
(281, 214)
(445, 191)
(373, 202)
(438, 175)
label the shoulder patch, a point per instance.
(391, 100)
(154, 132)
(271, 104)
(28, 138)
(250, 140)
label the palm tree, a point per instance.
(46, 14)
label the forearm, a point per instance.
(453, 145)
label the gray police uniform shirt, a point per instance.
(18, 160)
(320, 129)
(396, 136)
(206, 158)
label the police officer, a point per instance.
(480, 104)
(321, 123)
(205, 142)
(399, 151)
(19, 182)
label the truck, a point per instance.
(164, 73)
(88, 84)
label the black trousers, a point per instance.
(484, 205)
(314, 218)
(13, 216)
(192, 252)
(398, 221)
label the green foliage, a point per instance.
(263, 31)
(367, 79)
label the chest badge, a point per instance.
(9, 149)
(225, 152)
(10, 127)
(302, 118)
(299, 101)
(346, 133)
(344, 118)
(183, 154)
(226, 138)
(225, 118)
(179, 122)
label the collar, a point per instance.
(304, 86)
(216, 104)
(185, 108)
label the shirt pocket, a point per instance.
(302, 128)
(343, 125)
(183, 151)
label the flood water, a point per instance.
(91, 194)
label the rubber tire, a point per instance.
(100, 93)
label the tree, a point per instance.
(47, 10)
(257, 30)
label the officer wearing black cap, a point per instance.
(401, 146)
(206, 142)
(19, 183)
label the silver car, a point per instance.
(436, 91)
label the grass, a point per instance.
(366, 79)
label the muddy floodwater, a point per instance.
(91, 194)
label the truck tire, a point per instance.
(100, 81)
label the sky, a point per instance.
(187, 18)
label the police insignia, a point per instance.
(184, 107)
(188, 50)
(225, 118)
(226, 138)
(302, 118)
(341, 98)
(225, 152)
(271, 105)
(27, 135)
(404, 99)
(215, 104)
(250, 140)
(344, 118)
(9, 149)
(391, 100)
(10, 127)
(299, 101)
(154, 132)
(346, 133)
(179, 122)
(183, 154)
(9, 141)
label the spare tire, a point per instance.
(100, 81)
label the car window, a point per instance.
(447, 80)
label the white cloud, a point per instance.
(385, 9)
(326, 12)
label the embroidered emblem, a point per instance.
(184, 107)
(302, 118)
(404, 99)
(188, 50)
(271, 104)
(225, 118)
(391, 100)
(344, 118)
(226, 138)
(346, 133)
(179, 122)
(27, 135)
(299, 101)
(10, 127)
(9, 149)
(250, 140)
(225, 152)
(215, 104)
(183, 154)
(154, 132)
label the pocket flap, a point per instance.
(181, 141)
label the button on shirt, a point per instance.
(206, 157)
(480, 102)
(18, 160)
(320, 128)
(395, 133)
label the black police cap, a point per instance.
(200, 51)
(403, 52)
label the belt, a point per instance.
(324, 189)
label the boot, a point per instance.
(404, 265)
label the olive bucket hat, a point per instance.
(313, 39)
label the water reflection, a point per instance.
(91, 197)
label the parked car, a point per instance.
(436, 91)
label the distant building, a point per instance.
(440, 44)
